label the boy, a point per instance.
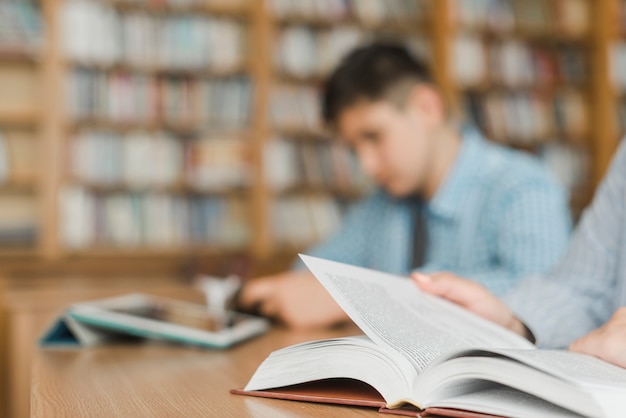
(447, 198)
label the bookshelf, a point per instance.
(522, 71)
(156, 125)
(261, 157)
(20, 124)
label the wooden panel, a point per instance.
(604, 139)
(52, 132)
(20, 88)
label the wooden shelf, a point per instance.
(19, 118)
(161, 71)
(197, 8)
(285, 251)
(530, 143)
(548, 36)
(407, 27)
(170, 189)
(285, 78)
(299, 133)
(147, 252)
(18, 252)
(19, 55)
(545, 88)
(308, 189)
(185, 129)
(19, 187)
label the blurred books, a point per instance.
(151, 220)
(21, 28)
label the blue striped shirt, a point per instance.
(497, 217)
(589, 284)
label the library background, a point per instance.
(143, 142)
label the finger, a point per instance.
(447, 286)
(267, 307)
(254, 293)
(589, 344)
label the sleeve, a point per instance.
(350, 242)
(577, 296)
(532, 231)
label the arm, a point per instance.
(578, 295)
(296, 298)
(607, 342)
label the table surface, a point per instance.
(161, 380)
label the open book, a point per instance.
(139, 315)
(426, 352)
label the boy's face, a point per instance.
(394, 144)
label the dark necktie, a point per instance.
(420, 238)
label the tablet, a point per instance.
(163, 318)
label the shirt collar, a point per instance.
(445, 202)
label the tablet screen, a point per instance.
(189, 315)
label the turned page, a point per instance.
(394, 313)
(581, 369)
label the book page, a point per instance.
(394, 313)
(578, 368)
(503, 401)
(591, 384)
(604, 382)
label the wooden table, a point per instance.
(29, 307)
(160, 380)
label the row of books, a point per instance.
(293, 164)
(620, 117)
(303, 51)
(369, 12)
(19, 214)
(18, 158)
(295, 107)
(96, 33)
(142, 160)
(129, 97)
(298, 221)
(567, 17)
(20, 25)
(182, 4)
(527, 118)
(151, 220)
(570, 164)
(617, 65)
(514, 62)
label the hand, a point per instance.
(472, 296)
(296, 299)
(607, 342)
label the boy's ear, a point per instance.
(427, 100)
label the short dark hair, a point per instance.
(370, 72)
